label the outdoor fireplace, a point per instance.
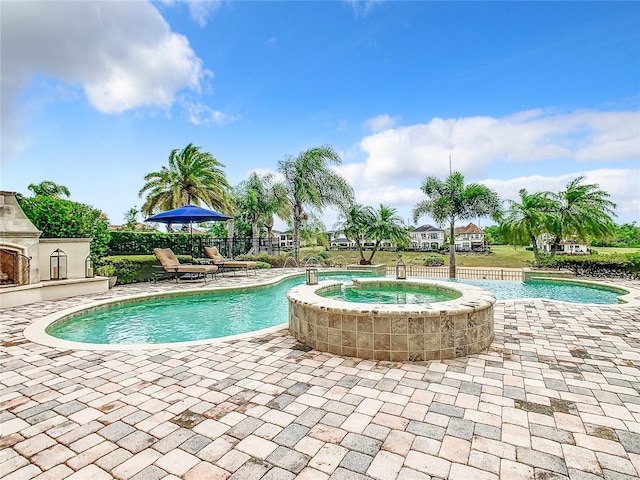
(33, 268)
(14, 268)
(19, 244)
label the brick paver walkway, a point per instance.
(556, 396)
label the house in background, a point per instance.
(566, 247)
(469, 238)
(427, 237)
(337, 239)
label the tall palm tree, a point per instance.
(452, 200)
(48, 188)
(192, 177)
(582, 210)
(275, 204)
(311, 183)
(355, 223)
(524, 221)
(387, 225)
(360, 223)
(260, 199)
(251, 192)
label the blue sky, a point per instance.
(520, 94)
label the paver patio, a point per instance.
(556, 396)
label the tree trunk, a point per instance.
(297, 215)
(230, 229)
(255, 236)
(269, 239)
(452, 251)
(536, 252)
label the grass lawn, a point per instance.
(502, 256)
(608, 250)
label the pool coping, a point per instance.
(36, 331)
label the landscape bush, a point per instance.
(433, 261)
(60, 218)
(626, 265)
(134, 268)
(142, 243)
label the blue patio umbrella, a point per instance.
(189, 214)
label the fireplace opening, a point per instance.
(14, 268)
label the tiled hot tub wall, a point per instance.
(393, 332)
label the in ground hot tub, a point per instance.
(396, 332)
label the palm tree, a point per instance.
(582, 210)
(48, 188)
(355, 222)
(310, 182)
(260, 199)
(387, 225)
(191, 177)
(452, 200)
(526, 220)
(360, 223)
(275, 204)
(251, 192)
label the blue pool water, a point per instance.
(553, 290)
(213, 315)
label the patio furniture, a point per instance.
(186, 271)
(214, 255)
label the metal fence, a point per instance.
(463, 273)
(231, 248)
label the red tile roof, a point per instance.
(471, 228)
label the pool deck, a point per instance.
(556, 396)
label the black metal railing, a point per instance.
(462, 272)
(194, 245)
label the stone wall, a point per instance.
(401, 333)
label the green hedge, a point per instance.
(142, 243)
(127, 242)
(610, 265)
(135, 268)
(139, 268)
(61, 218)
(276, 261)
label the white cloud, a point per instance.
(389, 195)
(362, 7)
(202, 10)
(622, 185)
(380, 123)
(474, 143)
(123, 54)
(200, 114)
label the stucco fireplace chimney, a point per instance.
(19, 250)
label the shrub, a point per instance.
(60, 218)
(134, 268)
(143, 243)
(106, 270)
(433, 261)
(276, 261)
(611, 265)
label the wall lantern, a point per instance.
(58, 265)
(312, 276)
(89, 272)
(401, 270)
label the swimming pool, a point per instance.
(192, 316)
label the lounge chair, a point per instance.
(218, 260)
(172, 266)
